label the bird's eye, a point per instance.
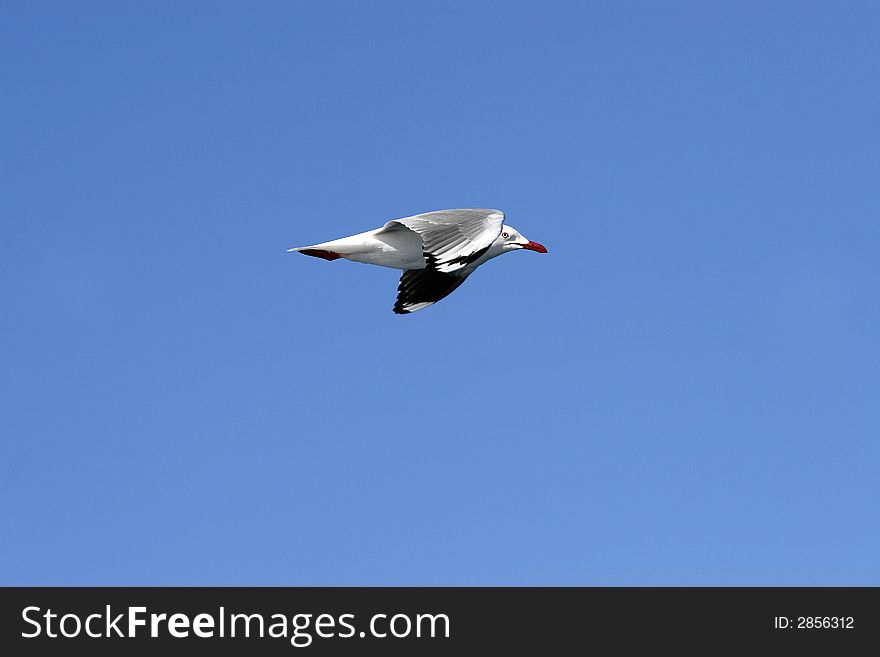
(505, 235)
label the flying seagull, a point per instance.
(437, 251)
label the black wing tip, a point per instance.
(420, 288)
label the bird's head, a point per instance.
(511, 240)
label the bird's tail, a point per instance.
(341, 248)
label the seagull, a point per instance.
(436, 251)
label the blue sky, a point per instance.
(683, 392)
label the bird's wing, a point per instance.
(420, 288)
(452, 239)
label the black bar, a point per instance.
(524, 620)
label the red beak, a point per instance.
(534, 246)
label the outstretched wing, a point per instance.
(420, 288)
(452, 239)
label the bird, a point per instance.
(436, 251)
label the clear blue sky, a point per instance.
(684, 391)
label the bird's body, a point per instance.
(436, 251)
